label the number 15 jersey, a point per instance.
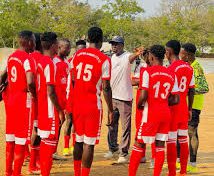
(89, 68)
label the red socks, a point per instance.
(27, 152)
(159, 160)
(171, 156)
(34, 156)
(77, 167)
(47, 148)
(9, 157)
(66, 141)
(73, 139)
(137, 154)
(184, 150)
(19, 156)
(85, 171)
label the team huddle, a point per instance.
(42, 88)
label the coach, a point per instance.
(122, 99)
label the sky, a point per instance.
(149, 6)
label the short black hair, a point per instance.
(95, 35)
(25, 34)
(48, 39)
(158, 51)
(174, 45)
(38, 41)
(80, 42)
(190, 48)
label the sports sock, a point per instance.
(66, 141)
(77, 167)
(159, 160)
(33, 158)
(137, 154)
(27, 151)
(73, 139)
(184, 149)
(38, 157)
(46, 157)
(9, 157)
(19, 156)
(153, 150)
(85, 171)
(171, 156)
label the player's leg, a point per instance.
(77, 153)
(161, 137)
(87, 159)
(136, 156)
(193, 139)
(125, 109)
(113, 132)
(184, 148)
(47, 148)
(67, 134)
(10, 146)
(171, 149)
(34, 165)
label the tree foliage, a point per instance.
(184, 20)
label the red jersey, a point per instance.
(18, 64)
(185, 75)
(89, 68)
(46, 109)
(160, 83)
(61, 80)
(35, 56)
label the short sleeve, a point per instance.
(106, 70)
(175, 88)
(192, 82)
(145, 80)
(28, 65)
(49, 73)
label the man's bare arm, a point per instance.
(173, 99)
(142, 99)
(31, 83)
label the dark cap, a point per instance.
(117, 39)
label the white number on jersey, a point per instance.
(87, 71)
(13, 74)
(157, 89)
(183, 84)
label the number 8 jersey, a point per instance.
(185, 75)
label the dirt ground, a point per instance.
(102, 167)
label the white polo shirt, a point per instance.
(121, 77)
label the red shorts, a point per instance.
(150, 131)
(48, 128)
(17, 120)
(87, 125)
(178, 129)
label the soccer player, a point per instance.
(21, 87)
(187, 54)
(91, 71)
(158, 83)
(62, 69)
(180, 113)
(50, 112)
(34, 164)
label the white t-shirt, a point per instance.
(121, 77)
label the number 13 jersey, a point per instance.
(89, 68)
(160, 82)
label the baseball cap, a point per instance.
(117, 39)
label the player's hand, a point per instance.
(61, 117)
(139, 51)
(2, 87)
(110, 118)
(190, 115)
